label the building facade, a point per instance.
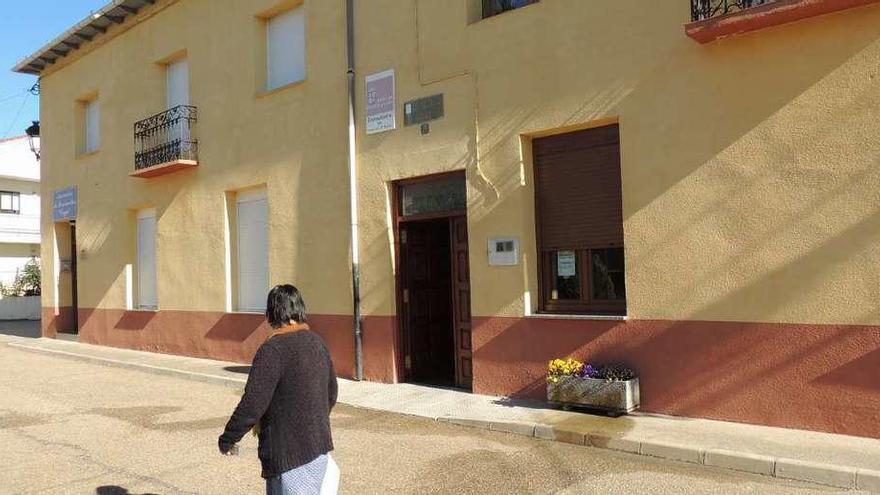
(19, 207)
(599, 180)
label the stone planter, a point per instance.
(592, 393)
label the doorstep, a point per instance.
(821, 458)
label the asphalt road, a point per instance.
(73, 427)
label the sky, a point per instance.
(25, 26)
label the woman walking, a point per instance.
(287, 400)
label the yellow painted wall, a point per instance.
(751, 166)
(291, 137)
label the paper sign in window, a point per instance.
(566, 264)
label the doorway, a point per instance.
(68, 301)
(434, 281)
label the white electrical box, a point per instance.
(503, 251)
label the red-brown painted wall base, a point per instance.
(231, 336)
(817, 377)
(814, 377)
(767, 15)
(52, 323)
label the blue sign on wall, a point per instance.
(64, 204)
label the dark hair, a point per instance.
(285, 304)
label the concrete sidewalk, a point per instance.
(826, 459)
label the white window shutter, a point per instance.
(253, 251)
(146, 268)
(92, 126)
(286, 48)
(177, 74)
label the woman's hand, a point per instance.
(227, 449)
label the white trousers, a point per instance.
(319, 477)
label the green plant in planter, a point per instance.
(559, 368)
(615, 373)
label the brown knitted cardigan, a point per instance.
(290, 391)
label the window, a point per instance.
(580, 222)
(177, 83)
(146, 260)
(91, 126)
(495, 7)
(10, 202)
(434, 195)
(253, 250)
(285, 48)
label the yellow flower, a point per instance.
(559, 367)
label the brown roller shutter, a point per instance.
(578, 189)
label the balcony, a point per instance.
(494, 7)
(715, 19)
(166, 142)
(707, 9)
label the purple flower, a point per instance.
(586, 371)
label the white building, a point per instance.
(19, 206)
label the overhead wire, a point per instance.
(14, 96)
(15, 119)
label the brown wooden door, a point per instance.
(461, 299)
(427, 297)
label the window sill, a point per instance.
(555, 316)
(271, 92)
(83, 156)
(764, 16)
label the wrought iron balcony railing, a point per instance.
(495, 7)
(166, 137)
(707, 9)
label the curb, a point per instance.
(114, 363)
(771, 467)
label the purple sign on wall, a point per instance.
(381, 104)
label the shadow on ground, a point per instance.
(115, 490)
(238, 369)
(151, 418)
(21, 328)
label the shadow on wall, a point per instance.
(690, 76)
(782, 66)
(796, 376)
(860, 374)
(806, 376)
(116, 234)
(233, 327)
(799, 274)
(230, 337)
(134, 320)
(802, 376)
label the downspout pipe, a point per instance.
(353, 193)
